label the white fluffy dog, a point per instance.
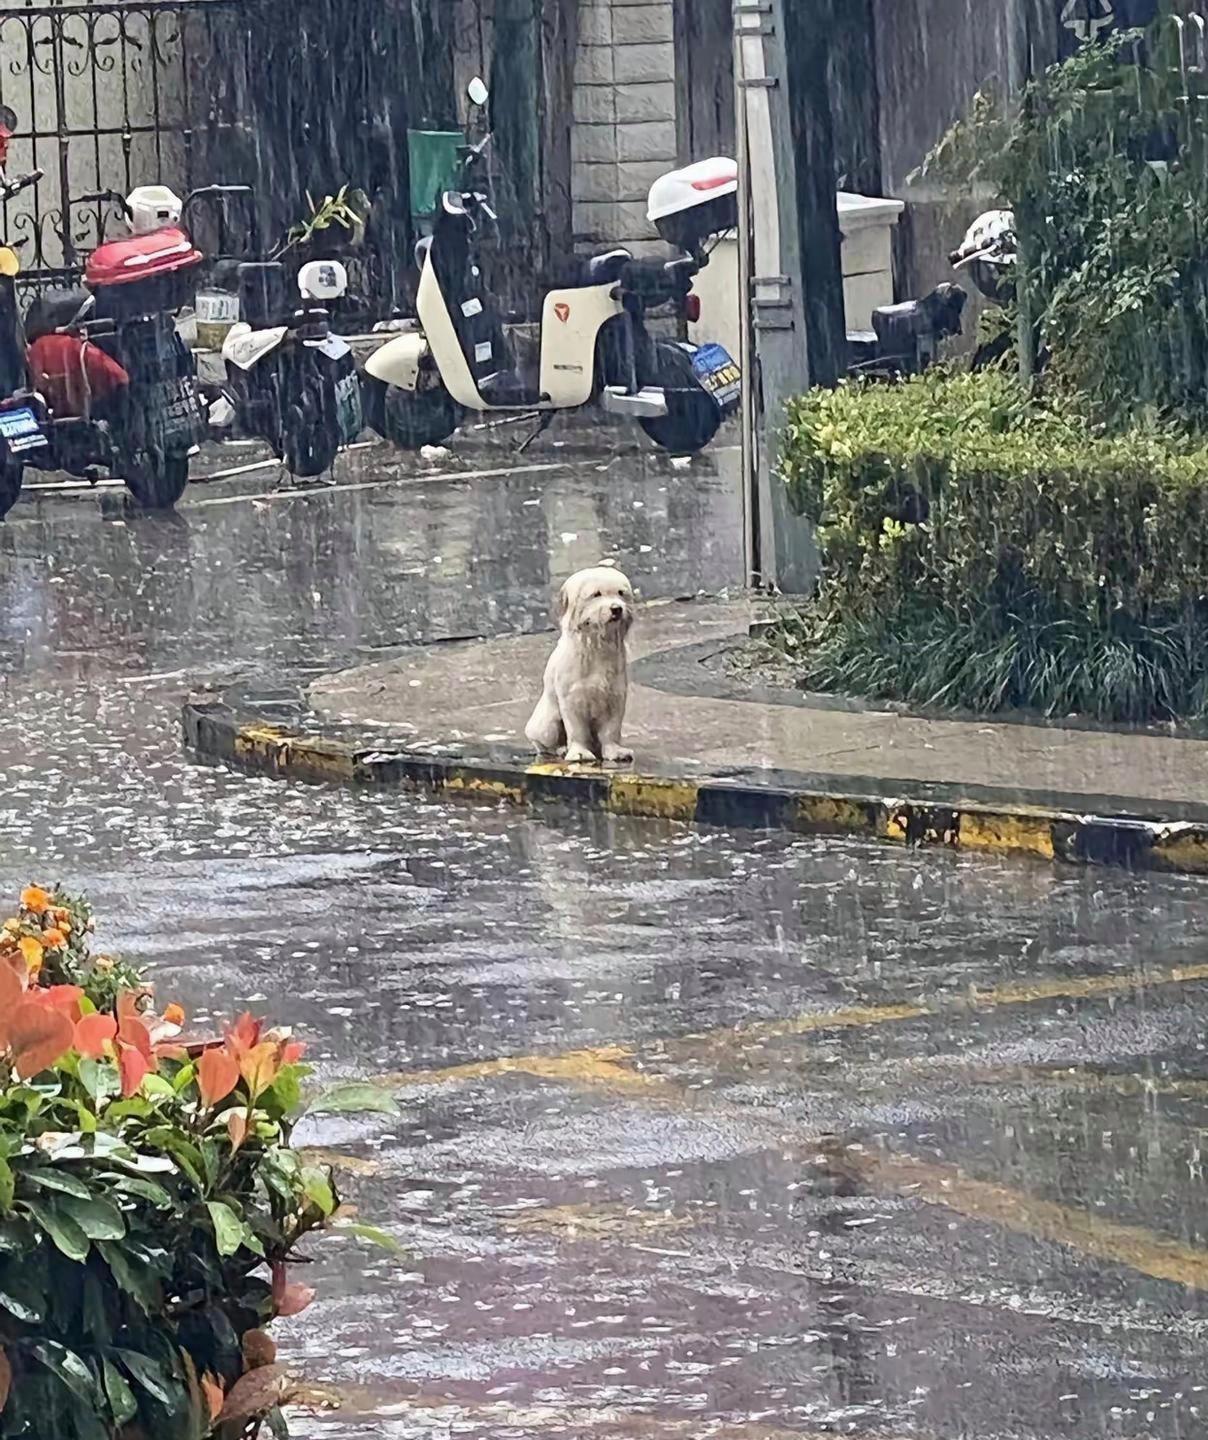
(587, 679)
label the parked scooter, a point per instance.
(905, 339)
(594, 343)
(290, 381)
(23, 417)
(990, 253)
(118, 381)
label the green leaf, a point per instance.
(7, 1186)
(353, 1098)
(133, 1276)
(148, 1376)
(16, 1236)
(22, 1298)
(100, 1079)
(157, 1087)
(99, 1219)
(62, 1228)
(285, 1093)
(121, 1398)
(228, 1227)
(64, 1180)
(277, 1426)
(184, 1076)
(316, 1185)
(183, 1151)
(136, 1185)
(67, 1366)
(372, 1234)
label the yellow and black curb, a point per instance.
(268, 733)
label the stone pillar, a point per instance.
(624, 133)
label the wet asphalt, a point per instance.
(703, 1135)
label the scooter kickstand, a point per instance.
(544, 422)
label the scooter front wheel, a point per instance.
(409, 418)
(11, 476)
(156, 481)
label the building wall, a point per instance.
(624, 133)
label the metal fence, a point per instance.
(104, 95)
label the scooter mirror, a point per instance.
(477, 91)
(8, 119)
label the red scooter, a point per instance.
(119, 384)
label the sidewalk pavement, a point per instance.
(451, 717)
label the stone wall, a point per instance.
(624, 133)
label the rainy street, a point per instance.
(703, 1134)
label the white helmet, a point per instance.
(991, 237)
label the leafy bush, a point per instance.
(1103, 166)
(983, 551)
(149, 1200)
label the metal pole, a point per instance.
(774, 286)
(750, 450)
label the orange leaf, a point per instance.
(134, 1033)
(295, 1299)
(6, 1379)
(244, 1034)
(11, 995)
(211, 1388)
(217, 1076)
(37, 1036)
(65, 998)
(259, 1349)
(133, 1066)
(93, 1033)
(292, 1051)
(174, 1014)
(259, 1066)
(34, 898)
(237, 1128)
(257, 1392)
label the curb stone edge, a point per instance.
(255, 735)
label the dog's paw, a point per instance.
(617, 755)
(579, 755)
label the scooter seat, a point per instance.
(605, 269)
(54, 309)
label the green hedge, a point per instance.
(1054, 568)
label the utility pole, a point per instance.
(791, 283)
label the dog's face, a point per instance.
(598, 601)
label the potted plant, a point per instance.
(151, 1203)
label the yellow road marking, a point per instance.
(612, 1066)
(1130, 1245)
(606, 1065)
(589, 1221)
(1025, 993)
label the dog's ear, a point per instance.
(562, 604)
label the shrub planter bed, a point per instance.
(150, 1201)
(983, 552)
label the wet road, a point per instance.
(704, 1135)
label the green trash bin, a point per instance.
(434, 164)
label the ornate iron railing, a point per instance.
(106, 95)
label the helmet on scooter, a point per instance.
(990, 252)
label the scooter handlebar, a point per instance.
(103, 197)
(11, 188)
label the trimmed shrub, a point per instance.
(983, 552)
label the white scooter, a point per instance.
(594, 343)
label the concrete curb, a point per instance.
(271, 733)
